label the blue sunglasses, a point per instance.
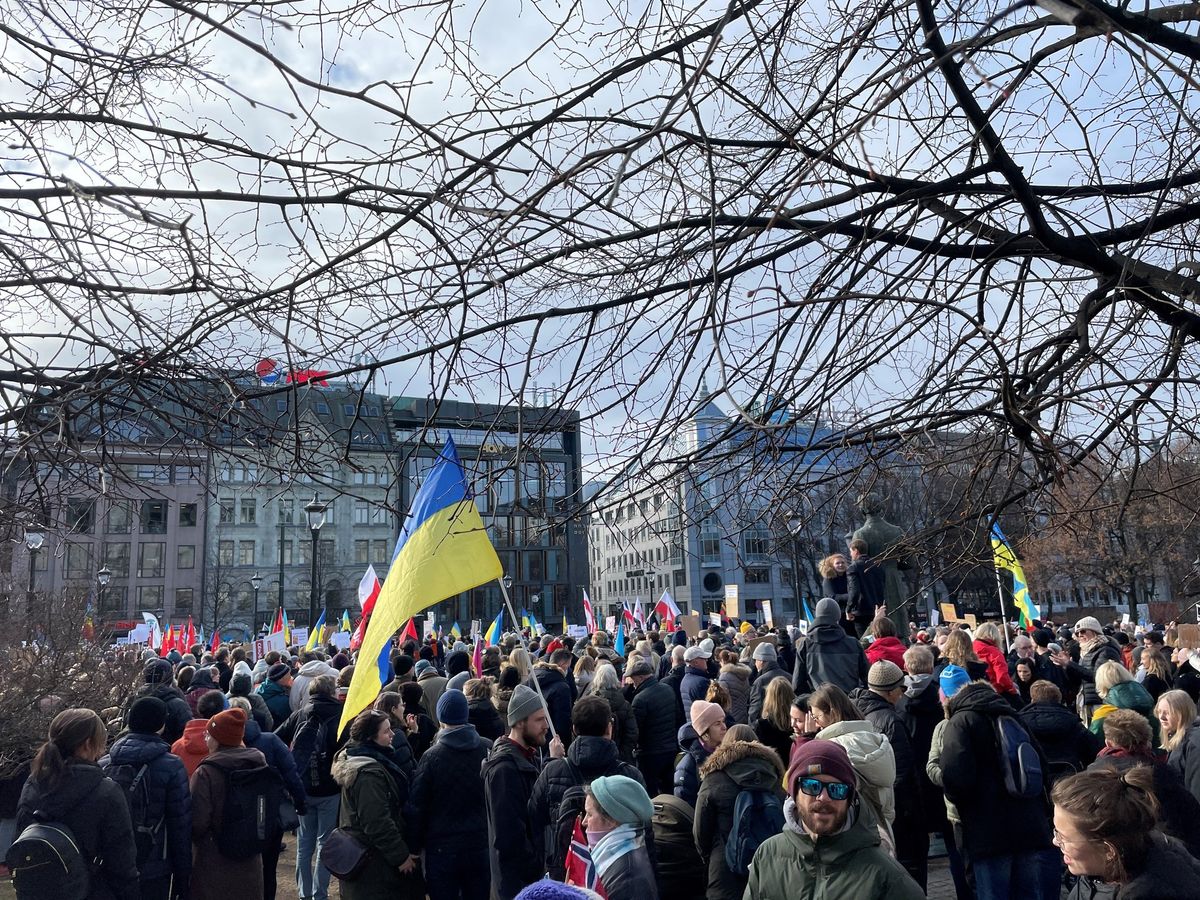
(812, 787)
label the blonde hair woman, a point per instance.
(520, 660)
(1118, 690)
(1175, 711)
(959, 652)
(585, 670)
(833, 578)
(775, 727)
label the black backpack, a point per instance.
(47, 863)
(1019, 759)
(250, 820)
(147, 832)
(680, 871)
(757, 815)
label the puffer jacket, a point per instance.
(889, 648)
(1171, 873)
(794, 866)
(694, 686)
(874, 762)
(993, 657)
(587, 759)
(1084, 671)
(656, 712)
(687, 770)
(625, 728)
(275, 696)
(828, 656)
(1128, 695)
(736, 680)
(450, 768)
(96, 811)
(731, 769)
(179, 713)
(1069, 747)
(170, 801)
(486, 718)
(883, 716)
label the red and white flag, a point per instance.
(368, 593)
(589, 616)
(639, 615)
(627, 613)
(666, 609)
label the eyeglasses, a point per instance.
(1056, 837)
(812, 787)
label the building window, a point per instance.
(362, 552)
(328, 552)
(245, 553)
(758, 575)
(78, 563)
(225, 515)
(531, 481)
(287, 512)
(186, 556)
(150, 597)
(348, 409)
(362, 512)
(119, 518)
(281, 404)
(187, 515)
(113, 599)
(249, 511)
(152, 560)
(116, 557)
(154, 517)
(225, 553)
(710, 548)
(183, 600)
(321, 407)
(556, 479)
(153, 474)
(503, 487)
(187, 474)
(531, 566)
(681, 578)
(380, 552)
(81, 515)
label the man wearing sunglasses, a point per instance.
(829, 843)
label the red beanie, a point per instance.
(820, 758)
(228, 728)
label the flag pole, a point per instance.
(532, 677)
(999, 588)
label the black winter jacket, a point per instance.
(170, 801)
(1185, 759)
(1178, 810)
(625, 729)
(484, 716)
(1084, 671)
(866, 588)
(96, 811)
(450, 768)
(658, 715)
(829, 656)
(687, 770)
(557, 692)
(179, 713)
(1069, 747)
(1171, 873)
(883, 716)
(994, 822)
(588, 758)
(315, 723)
(278, 758)
(674, 680)
(758, 690)
(514, 855)
(693, 687)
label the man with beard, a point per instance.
(509, 774)
(829, 844)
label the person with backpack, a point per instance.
(155, 784)
(74, 835)
(312, 733)
(987, 767)
(617, 814)
(739, 806)
(192, 748)
(159, 680)
(275, 691)
(453, 835)
(374, 791)
(229, 786)
(558, 793)
(828, 655)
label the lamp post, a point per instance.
(256, 583)
(507, 581)
(315, 511)
(103, 577)
(34, 539)
(794, 526)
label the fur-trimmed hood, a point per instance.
(736, 670)
(748, 763)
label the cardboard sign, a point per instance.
(579, 632)
(949, 612)
(768, 618)
(768, 639)
(733, 607)
(690, 624)
(1187, 636)
(971, 621)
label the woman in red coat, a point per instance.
(886, 645)
(987, 639)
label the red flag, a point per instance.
(168, 641)
(410, 632)
(216, 641)
(372, 586)
(477, 658)
(277, 628)
(190, 640)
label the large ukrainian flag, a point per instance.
(443, 550)
(1004, 558)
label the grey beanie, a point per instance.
(523, 704)
(765, 652)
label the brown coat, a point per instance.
(215, 877)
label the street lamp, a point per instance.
(256, 583)
(33, 542)
(103, 577)
(794, 526)
(315, 511)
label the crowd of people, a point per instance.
(742, 762)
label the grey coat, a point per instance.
(735, 679)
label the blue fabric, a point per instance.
(1035, 876)
(445, 485)
(315, 825)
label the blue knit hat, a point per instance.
(623, 799)
(452, 708)
(953, 679)
(422, 666)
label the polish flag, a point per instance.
(368, 593)
(666, 609)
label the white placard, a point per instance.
(610, 624)
(714, 619)
(934, 618)
(139, 635)
(766, 614)
(476, 628)
(427, 627)
(299, 637)
(733, 607)
(341, 640)
(802, 626)
(264, 645)
(579, 632)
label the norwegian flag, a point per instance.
(580, 870)
(589, 616)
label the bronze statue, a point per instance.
(883, 545)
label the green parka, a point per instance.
(845, 866)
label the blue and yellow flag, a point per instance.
(443, 550)
(346, 626)
(492, 636)
(524, 617)
(315, 633)
(1004, 558)
(455, 631)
